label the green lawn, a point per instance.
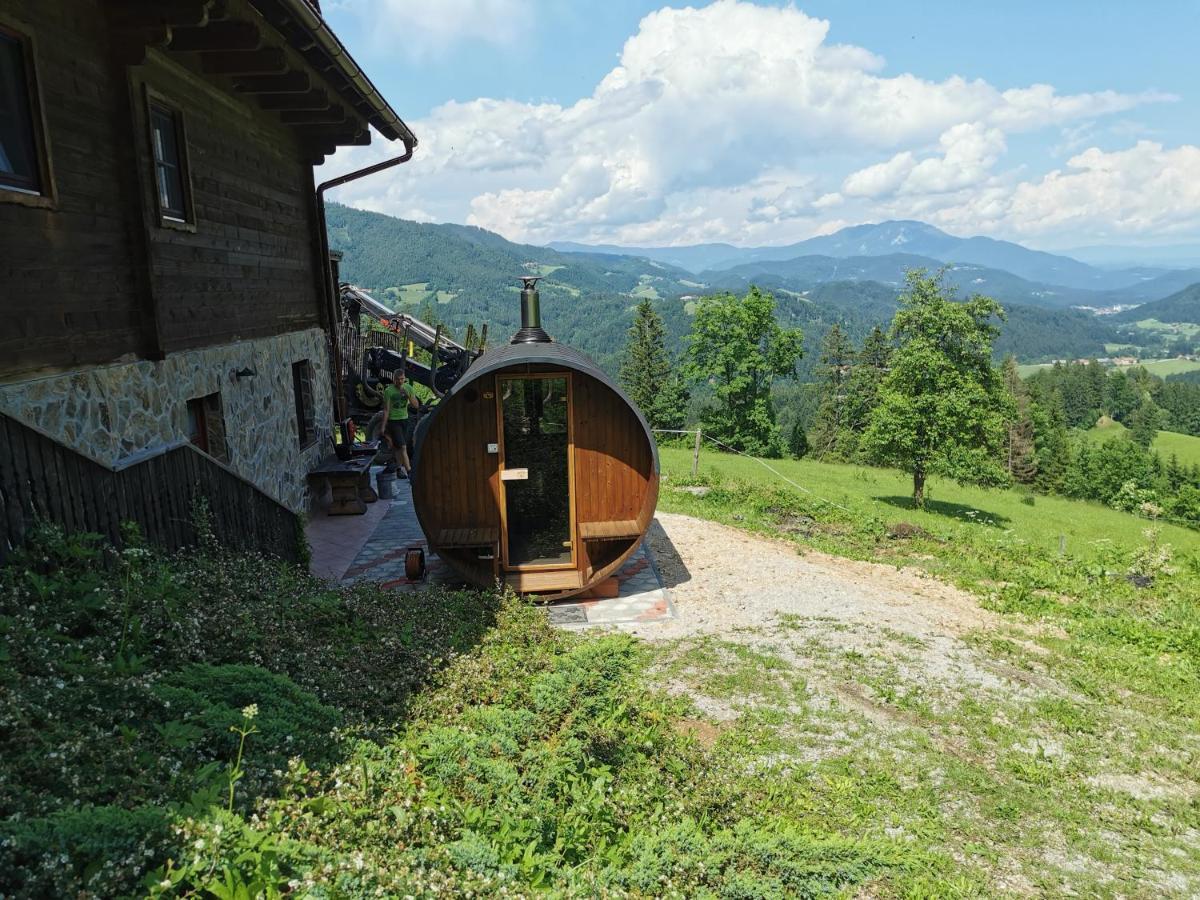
(1168, 443)
(1089, 528)
(1164, 367)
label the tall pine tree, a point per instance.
(870, 367)
(647, 374)
(837, 354)
(1020, 452)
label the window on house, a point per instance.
(302, 384)
(206, 425)
(21, 166)
(170, 162)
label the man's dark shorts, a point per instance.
(399, 430)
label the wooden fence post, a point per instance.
(696, 454)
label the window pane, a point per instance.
(18, 154)
(168, 174)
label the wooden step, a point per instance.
(468, 537)
(555, 580)
(609, 531)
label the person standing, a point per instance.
(398, 398)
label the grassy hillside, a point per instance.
(1182, 306)
(1168, 443)
(1090, 529)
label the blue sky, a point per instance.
(1052, 123)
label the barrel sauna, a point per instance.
(535, 469)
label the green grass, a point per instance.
(1164, 367)
(1089, 528)
(1185, 447)
(1189, 329)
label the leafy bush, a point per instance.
(99, 850)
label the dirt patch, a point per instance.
(704, 732)
(721, 579)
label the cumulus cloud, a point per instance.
(731, 122)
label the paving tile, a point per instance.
(373, 548)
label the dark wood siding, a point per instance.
(68, 288)
(93, 277)
(249, 267)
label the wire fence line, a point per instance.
(1172, 520)
(761, 462)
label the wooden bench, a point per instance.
(468, 537)
(621, 529)
(557, 580)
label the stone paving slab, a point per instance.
(641, 598)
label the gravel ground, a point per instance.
(722, 579)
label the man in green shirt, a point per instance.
(398, 398)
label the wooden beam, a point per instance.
(171, 13)
(293, 82)
(331, 116)
(229, 35)
(331, 136)
(317, 99)
(268, 60)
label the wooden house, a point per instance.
(164, 274)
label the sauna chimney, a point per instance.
(531, 314)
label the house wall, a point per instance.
(68, 288)
(113, 320)
(91, 275)
(110, 413)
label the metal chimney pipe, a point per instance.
(531, 314)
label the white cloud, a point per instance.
(429, 27)
(732, 122)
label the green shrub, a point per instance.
(93, 852)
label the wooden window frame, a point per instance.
(167, 218)
(211, 419)
(573, 526)
(45, 196)
(302, 387)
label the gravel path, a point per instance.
(722, 579)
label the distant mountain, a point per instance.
(460, 275)
(805, 271)
(695, 258)
(887, 238)
(1183, 306)
(1182, 256)
(1158, 287)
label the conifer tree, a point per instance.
(1144, 423)
(837, 354)
(862, 391)
(1020, 456)
(647, 374)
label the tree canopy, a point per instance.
(646, 371)
(738, 348)
(942, 406)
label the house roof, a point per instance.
(280, 53)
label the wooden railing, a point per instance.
(41, 478)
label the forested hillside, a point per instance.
(1183, 306)
(459, 274)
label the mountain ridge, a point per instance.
(885, 238)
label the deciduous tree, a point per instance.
(942, 406)
(738, 347)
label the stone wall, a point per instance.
(113, 412)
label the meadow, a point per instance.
(1185, 447)
(1088, 528)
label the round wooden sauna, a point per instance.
(535, 470)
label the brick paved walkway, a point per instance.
(390, 528)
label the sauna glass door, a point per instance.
(535, 414)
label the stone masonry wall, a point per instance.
(112, 412)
